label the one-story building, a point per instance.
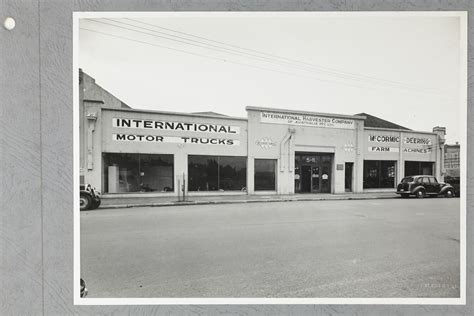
(127, 151)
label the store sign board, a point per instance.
(175, 126)
(306, 120)
(384, 139)
(417, 150)
(417, 140)
(377, 138)
(383, 149)
(175, 139)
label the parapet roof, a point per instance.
(373, 121)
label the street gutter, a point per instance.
(177, 203)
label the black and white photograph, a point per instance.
(270, 157)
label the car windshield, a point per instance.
(407, 179)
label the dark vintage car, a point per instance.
(89, 198)
(455, 182)
(83, 289)
(422, 186)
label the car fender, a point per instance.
(417, 188)
(446, 188)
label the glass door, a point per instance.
(315, 179)
(325, 178)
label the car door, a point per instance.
(427, 185)
(435, 186)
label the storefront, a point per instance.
(134, 152)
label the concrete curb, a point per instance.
(336, 198)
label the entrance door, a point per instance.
(305, 178)
(326, 178)
(313, 172)
(315, 179)
(348, 176)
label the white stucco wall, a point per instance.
(105, 139)
(401, 146)
(269, 140)
(255, 138)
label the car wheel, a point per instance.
(85, 201)
(449, 194)
(405, 195)
(420, 194)
(95, 204)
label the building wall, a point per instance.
(401, 146)
(254, 139)
(452, 160)
(175, 142)
(281, 141)
(90, 96)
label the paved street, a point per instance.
(367, 248)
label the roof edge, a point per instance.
(173, 113)
(397, 130)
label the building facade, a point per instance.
(452, 160)
(133, 152)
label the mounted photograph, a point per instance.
(270, 157)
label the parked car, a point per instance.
(422, 186)
(454, 181)
(83, 289)
(89, 197)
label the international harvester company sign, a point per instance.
(306, 120)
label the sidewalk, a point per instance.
(125, 202)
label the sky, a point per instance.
(405, 68)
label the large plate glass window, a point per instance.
(137, 173)
(217, 173)
(379, 174)
(264, 177)
(413, 168)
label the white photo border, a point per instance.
(275, 301)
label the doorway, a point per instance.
(306, 179)
(313, 172)
(348, 176)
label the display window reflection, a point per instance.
(217, 173)
(379, 174)
(264, 176)
(124, 173)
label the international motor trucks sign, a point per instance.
(222, 132)
(306, 120)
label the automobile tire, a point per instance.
(405, 196)
(85, 201)
(95, 204)
(420, 194)
(449, 194)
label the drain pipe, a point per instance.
(286, 139)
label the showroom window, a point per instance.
(137, 173)
(379, 174)
(413, 168)
(264, 176)
(217, 173)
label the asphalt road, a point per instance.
(367, 248)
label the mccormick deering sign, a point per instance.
(408, 140)
(175, 126)
(306, 120)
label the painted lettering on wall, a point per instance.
(306, 120)
(383, 149)
(384, 139)
(174, 139)
(175, 126)
(417, 150)
(417, 140)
